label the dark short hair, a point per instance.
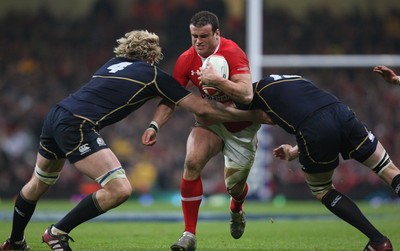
(203, 18)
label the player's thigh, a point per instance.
(49, 165)
(202, 145)
(98, 163)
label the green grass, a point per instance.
(271, 232)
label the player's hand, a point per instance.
(286, 152)
(149, 137)
(208, 76)
(387, 74)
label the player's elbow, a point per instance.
(203, 112)
(246, 99)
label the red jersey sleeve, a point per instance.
(186, 67)
(237, 59)
(180, 70)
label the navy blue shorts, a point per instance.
(331, 131)
(67, 136)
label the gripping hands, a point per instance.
(286, 152)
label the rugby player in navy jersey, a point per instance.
(71, 132)
(324, 128)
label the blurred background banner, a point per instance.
(50, 48)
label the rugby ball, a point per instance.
(221, 67)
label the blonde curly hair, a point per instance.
(140, 45)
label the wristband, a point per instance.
(153, 125)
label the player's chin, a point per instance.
(202, 51)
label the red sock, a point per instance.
(191, 193)
(237, 202)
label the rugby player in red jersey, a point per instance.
(237, 141)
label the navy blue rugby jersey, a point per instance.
(289, 99)
(120, 87)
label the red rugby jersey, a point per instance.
(189, 62)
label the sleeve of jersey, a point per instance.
(169, 88)
(238, 62)
(180, 70)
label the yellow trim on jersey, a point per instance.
(266, 103)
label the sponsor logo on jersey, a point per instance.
(371, 136)
(101, 142)
(84, 149)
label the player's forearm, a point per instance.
(223, 113)
(163, 112)
(238, 88)
(256, 116)
(238, 92)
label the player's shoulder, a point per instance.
(229, 45)
(228, 42)
(230, 50)
(189, 54)
(120, 63)
(187, 60)
(124, 67)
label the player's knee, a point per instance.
(235, 184)
(192, 167)
(117, 184)
(124, 189)
(124, 193)
(319, 189)
(34, 189)
(236, 189)
(118, 191)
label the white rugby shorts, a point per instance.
(240, 147)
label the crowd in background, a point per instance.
(43, 59)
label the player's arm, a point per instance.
(387, 74)
(286, 152)
(162, 114)
(238, 87)
(218, 112)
